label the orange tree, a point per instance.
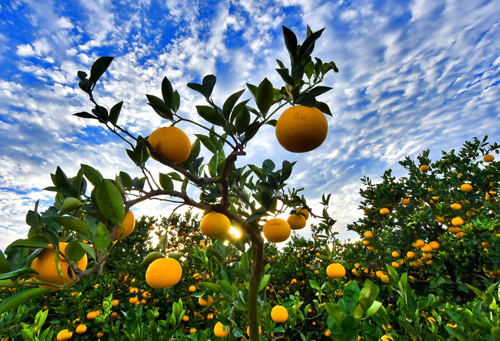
(91, 214)
(439, 223)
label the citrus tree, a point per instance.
(91, 218)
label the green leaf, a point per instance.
(263, 282)
(267, 200)
(69, 205)
(184, 185)
(88, 249)
(308, 45)
(265, 96)
(291, 45)
(272, 122)
(175, 176)
(165, 182)
(151, 257)
(314, 284)
(373, 309)
(4, 263)
(110, 202)
(72, 224)
(12, 302)
(351, 297)
(256, 216)
(27, 334)
(115, 112)
(319, 90)
(285, 75)
(99, 67)
(212, 286)
(74, 251)
(237, 110)
(210, 115)
(208, 85)
(323, 107)
(195, 151)
(160, 107)
(226, 286)
(177, 101)
(101, 238)
(85, 114)
(230, 102)
(212, 165)
(175, 255)
(197, 87)
(167, 92)
(126, 180)
(34, 243)
(207, 142)
(335, 312)
(242, 120)
(17, 273)
(306, 99)
(92, 175)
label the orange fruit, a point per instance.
(419, 243)
(279, 314)
(172, 143)
(405, 201)
(368, 234)
(456, 207)
(81, 329)
(277, 230)
(220, 330)
(64, 335)
(424, 168)
(45, 265)
(296, 222)
(128, 225)
(395, 254)
(163, 273)
(215, 225)
(248, 331)
(435, 245)
(427, 248)
(115, 303)
(192, 288)
(410, 254)
(202, 302)
(301, 129)
(488, 158)
(466, 188)
(335, 270)
(457, 221)
(385, 279)
(384, 211)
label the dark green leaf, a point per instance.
(280, 64)
(324, 108)
(272, 122)
(176, 104)
(175, 176)
(291, 44)
(110, 202)
(212, 165)
(85, 85)
(72, 224)
(211, 115)
(167, 92)
(308, 45)
(4, 264)
(12, 302)
(212, 286)
(197, 87)
(265, 96)
(268, 166)
(166, 182)
(256, 216)
(208, 85)
(115, 112)
(69, 205)
(17, 273)
(253, 90)
(319, 90)
(85, 114)
(207, 142)
(306, 99)
(184, 185)
(160, 107)
(242, 120)
(195, 151)
(99, 67)
(286, 76)
(34, 243)
(230, 102)
(237, 110)
(126, 180)
(81, 75)
(266, 199)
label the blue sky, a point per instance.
(413, 75)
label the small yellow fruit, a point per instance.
(368, 234)
(192, 288)
(488, 158)
(435, 245)
(215, 225)
(424, 168)
(81, 329)
(419, 243)
(427, 248)
(203, 303)
(277, 230)
(279, 314)
(301, 129)
(171, 143)
(115, 303)
(385, 279)
(305, 212)
(395, 254)
(466, 188)
(384, 211)
(335, 270)
(405, 201)
(163, 273)
(457, 221)
(456, 207)
(64, 334)
(410, 254)
(439, 219)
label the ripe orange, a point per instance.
(64, 335)
(456, 207)
(435, 245)
(128, 226)
(368, 234)
(301, 129)
(192, 288)
(172, 143)
(163, 273)
(305, 212)
(466, 188)
(457, 221)
(410, 254)
(384, 211)
(215, 225)
(296, 222)
(335, 270)
(405, 201)
(385, 279)
(427, 248)
(395, 254)
(45, 265)
(277, 230)
(488, 158)
(81, 329)
(279, 314)
(220, 330)
(424, 168)
(419, 243)
(203, 303)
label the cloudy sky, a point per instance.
(413, 75)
